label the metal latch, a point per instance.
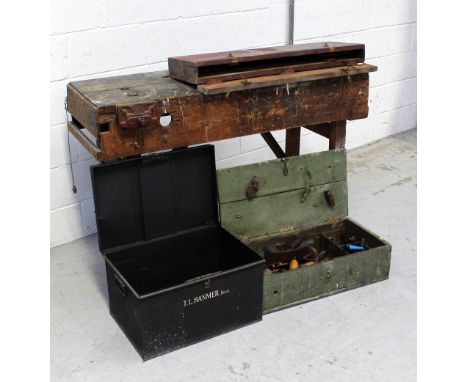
(122, 288)
(284, 165)
(306, 191)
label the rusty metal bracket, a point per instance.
(329, 197)
(252, 188)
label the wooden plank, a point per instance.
(283, 79)
(337, 139)
(82, 109)
(334, 131)
(302, 171)
(85, 141)
(267, 70)
(322, 129)
(107, 93)
(251, 55)
(274, 146)
(293, 141)
(285, 212)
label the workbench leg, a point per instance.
(293, 141)
(334, 131)
(337, 135)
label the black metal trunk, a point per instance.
(174, 276)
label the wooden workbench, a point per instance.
(120, 116)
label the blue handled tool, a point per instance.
(353, 247)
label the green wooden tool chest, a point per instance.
(285, 208)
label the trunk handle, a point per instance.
(120, 285)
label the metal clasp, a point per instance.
(121, 287)
(329, 197)
(284, 164)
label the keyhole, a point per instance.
(165, 119)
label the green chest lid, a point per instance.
(283, 195)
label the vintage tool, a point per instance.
(308, 252)
(293, 264)
(351, 243)
(314, 255)
(329, 197)
(354, 248)
(278, 267)
(280, 251)
(348, 238)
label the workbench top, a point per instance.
(133, 88)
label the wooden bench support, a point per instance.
(334, 131)
(274, 146)
(293, 141)
(337, 138)
(321, 129)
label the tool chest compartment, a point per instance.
(248, 63)
(294, 213)
(174, 275)
(327, 266)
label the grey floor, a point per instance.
(368, 334)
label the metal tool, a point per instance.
(354, 248)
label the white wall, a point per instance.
(100, 38)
